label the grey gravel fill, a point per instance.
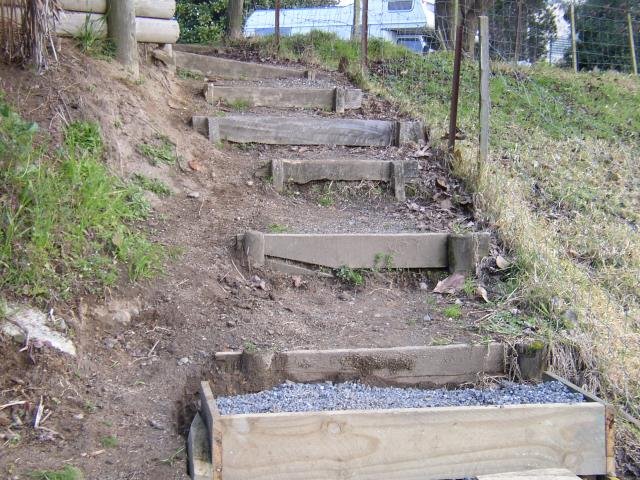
(305, 397)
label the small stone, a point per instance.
(183, 361)
(110, 343)
(344, 296)
(123, 317)
(458, 301)
(423, 286)
(250, 183)
(270, 332)
(156, 425)
(426, 318)
(231, 323)
(79, 416)
(193, 195)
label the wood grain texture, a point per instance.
(404, 250)
(215, 67)
(438, 365)
(282, 97)
(143, 8)
(211, 418)
(541, 474)
(414, 444)
(198, 450)
(277, 130)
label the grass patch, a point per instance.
(69, 472)
(159, 150)
(65, 221)
(152, 185)
(90, 43)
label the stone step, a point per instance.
(458, 253)
(349, 169)
(279, 130)
(224, 68)
(337, 99)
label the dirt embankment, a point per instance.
(119, 410)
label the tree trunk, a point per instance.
(121, 20)
(235, 12)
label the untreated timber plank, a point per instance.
(538, 474)
(401, 250)
(211, 418)
(414, 444)
(282, 97)
(233, 69)
(348, 169)
(279, 130)
(198, 450)
(402, 366)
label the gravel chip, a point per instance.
(301, 397)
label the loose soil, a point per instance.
(138, 382)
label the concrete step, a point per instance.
(279, 130)
(286, 251)
(215, 67)
(349, 169)
(337, 99)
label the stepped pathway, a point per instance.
(337, 166)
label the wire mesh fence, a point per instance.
(586, 35)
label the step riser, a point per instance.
(410, 250)
(274, 130)
(215, 67)
(397, 173)
(337, 99)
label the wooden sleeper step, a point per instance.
(278, 130)
(337, 99)
(349, 169)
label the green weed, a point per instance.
(185, 74)
(326, 199)
(452, 311)
(277, 228)
(109, 441)
(152, 185)
(350, 276)
(250, 347)
(69, 472)
(159, 150)
(240, 105)
(64, 218)
(383, 261)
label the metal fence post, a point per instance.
(632, 46)
(573, 38)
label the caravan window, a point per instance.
(399, 5)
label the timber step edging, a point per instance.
(442, 442)
(398, 173)
(337, 99)
(224, 68)
(458, 253)
(309, 130)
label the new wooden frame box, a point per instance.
(403, 444)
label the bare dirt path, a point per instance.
(121, 408)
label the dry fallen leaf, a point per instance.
(195, 165)
(452, 284)
(482, 292)
(502, 263)
(442, 183)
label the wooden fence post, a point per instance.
(573, 38)
(485, 98)
(632, 46)
(277, 26)
(121, 23)
(365, 35)
(516, 55)
(355, 29)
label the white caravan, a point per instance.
(400, 21)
